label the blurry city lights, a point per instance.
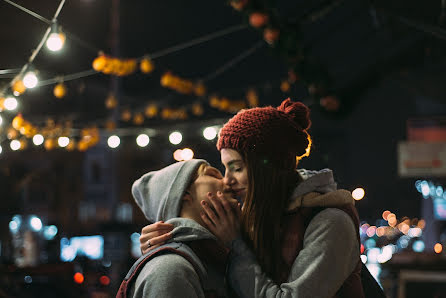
(55, 41)
(104, 280)
(63, 141)
(30, 80)
(414, 232)
(28, 279)
(358, 193)
(1, 149)
(438, 248)
(78, 278)
(421, 223)
(15, 145)
(175, 137)
(364, 259)
(370, 243)
(209, 133)
(371, 231)
(10, 103)
(439, 191)
(418, 246)
(187, 154)
(380, 231)
(372, 255)
(13, 226)
(425, 190)
(403, 241)
(35, 223)
(142, 140)
(113, 141)
(38, 139)
(386, 254)
(385, 214)
(49, 232)
(177, 155)
(135, 237)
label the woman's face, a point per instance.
(236, 173)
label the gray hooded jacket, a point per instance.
(159, 195)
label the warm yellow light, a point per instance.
(386, 214)
(438, 248)
(358, 193)
(55, 41)
(307, 151)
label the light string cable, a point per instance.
(234, 61)
(155, 55)
(45, 36)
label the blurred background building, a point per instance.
(95, 93)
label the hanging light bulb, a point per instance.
(10, 103)
(56, 39)
(30, 80)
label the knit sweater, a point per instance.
(329, 254)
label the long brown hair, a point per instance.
(269, 188)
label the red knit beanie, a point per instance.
(279, 133)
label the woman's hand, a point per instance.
(156, 234)
(224, 222)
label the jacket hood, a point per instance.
(318, 189)
(186, 229)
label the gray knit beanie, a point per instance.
(159, 193)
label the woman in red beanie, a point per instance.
(298, 235)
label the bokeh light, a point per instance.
(187, 154)
(30, 80)
(175, 137)
(209, 133)
(38, 139)
(113, 141)
(358, 193)
(438, 248)
(142, 140)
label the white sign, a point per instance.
(416, 159)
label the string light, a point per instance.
(142, 140)
(38, 139)
(63, 141)
(187, 154)
(175, 137)
(30, 80)
(10, 103)
(358, 193)
(15, 145)
(209, 133)
(56, 40)
(113, 141)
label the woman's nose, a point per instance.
(228, 180)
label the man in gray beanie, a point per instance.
(192, 263)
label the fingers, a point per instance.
(159, 225)
(154, 242)
(217, 204)
(157, 233)
(209, 216)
